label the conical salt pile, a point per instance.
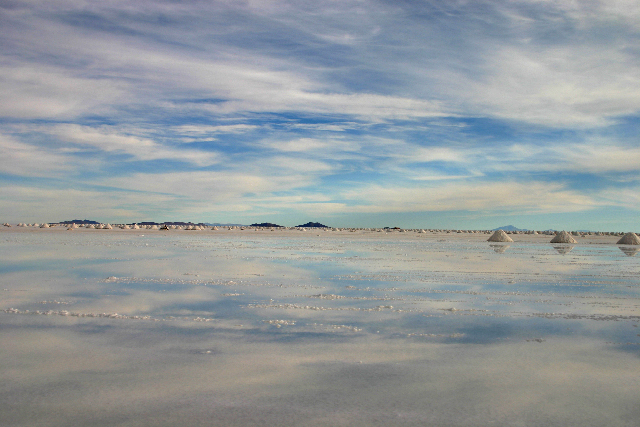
(563, 237)
(500, 236)
(629, 239)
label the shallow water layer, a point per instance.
(145, 329)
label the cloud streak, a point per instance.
(534, 197)
(111, 140)
(17, 158)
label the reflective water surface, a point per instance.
(315, 329)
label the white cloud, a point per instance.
(117, 70)
(371, 147)
(434, 176)
(18, 158)
(267, 96)
(312, 145)
(577, 81)
(622, 197)
(210, 187)
(561, 87)
(41, 91)
(26, 203)
(281, 165)
(376, 68)
(332, 127)
(532, 197)
(111, 140)
(207, 129)
(595, 155)
(600, 157)
(437, 154)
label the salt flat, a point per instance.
(316, 328)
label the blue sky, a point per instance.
(418, 114)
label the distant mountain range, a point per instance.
(216, 224)
(79, 221)
(313, 224)
(509, 228)
(264, 224)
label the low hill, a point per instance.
(509, 228)
(79, 221)
(313, 224)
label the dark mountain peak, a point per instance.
(509, 228)
(313, 224)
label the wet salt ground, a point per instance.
(156, 329)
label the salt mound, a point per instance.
(563, 237)
(629, 239)
(500, 236)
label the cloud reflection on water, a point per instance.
(319, 331)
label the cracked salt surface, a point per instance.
(400, 323)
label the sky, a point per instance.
(353, 113)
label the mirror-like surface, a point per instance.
(237, 328)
